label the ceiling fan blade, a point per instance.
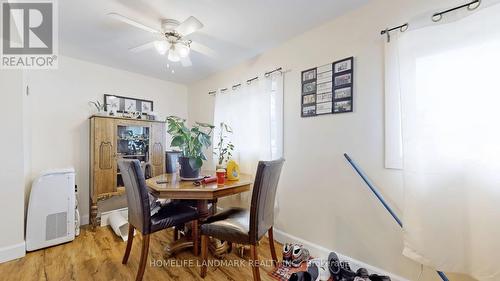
(186, 61)
(202, 49)
(143, 47)
(189, 26)
(132, 22)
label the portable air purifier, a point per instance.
(51, 210)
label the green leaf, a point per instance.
(198, 163)
(178, 141)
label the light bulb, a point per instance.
(182, 50)
(161, 47)
(172, 55)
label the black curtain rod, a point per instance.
(436, 17)
(253, 79)
(272, 71)
(249, 81)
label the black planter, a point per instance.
(187, 170)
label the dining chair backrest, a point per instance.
(263, 198)
(172, 161)
(137, 195)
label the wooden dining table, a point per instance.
(171, 186)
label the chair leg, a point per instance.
(255, 262)
(144, 257)
(129, 243)
(194, 233)
(204, 255)
(271, 246)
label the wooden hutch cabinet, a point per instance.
(114, 138)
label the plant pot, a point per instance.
(187, 170)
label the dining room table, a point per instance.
(173, 187)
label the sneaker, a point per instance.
(287, 254)
(376, 277)
(362, 275)
(299, 255)
(322, 268)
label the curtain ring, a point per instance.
(437, 17)
(404, 27)
(474, 5)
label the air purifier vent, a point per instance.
(56, 226)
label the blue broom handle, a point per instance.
(382, 200)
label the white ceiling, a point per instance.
(235, 29)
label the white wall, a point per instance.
(320, 197)
(59, 112)
(11, 166)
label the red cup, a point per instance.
(221, 176)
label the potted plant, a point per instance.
(99, 106)
(191, 142)
(224, 149)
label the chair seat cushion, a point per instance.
(230, 225)
(172, 214)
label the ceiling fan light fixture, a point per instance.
(161, 46)
(182, 49)
(173, 56)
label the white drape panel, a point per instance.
(255, 113)
(450, 97)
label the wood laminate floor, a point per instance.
(97, 255)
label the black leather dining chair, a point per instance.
(139, 212)
(243, 226)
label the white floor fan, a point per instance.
(170, 39)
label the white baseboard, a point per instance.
(322, 252)
(12, 252)
(105, 215)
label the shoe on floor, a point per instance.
(300, 276)
(287, 254)
(376, 277)
(321, 266)
(299, 255)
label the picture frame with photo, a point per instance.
(309, 99)
(309, 75)
(342, 80)
(342, 106)
(343, 65)
(343, 93)
(328, 89)
(309, 88)
(120, 104)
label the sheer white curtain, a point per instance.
(448, 80)
(255, 113)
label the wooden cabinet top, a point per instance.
(126, 119)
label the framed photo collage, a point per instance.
(328, 89)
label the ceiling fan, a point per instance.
(170, 39)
